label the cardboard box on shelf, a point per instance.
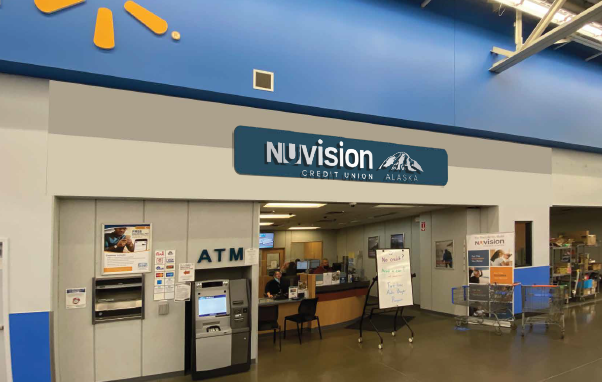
(595, 267)
(581, 237)
(562, 270)
(576, 235)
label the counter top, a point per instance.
(272, 302)
(342, 287)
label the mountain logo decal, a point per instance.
(401, 161)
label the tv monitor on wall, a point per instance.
(266, 240)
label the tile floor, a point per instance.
(439, 353)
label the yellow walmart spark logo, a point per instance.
(104, 34)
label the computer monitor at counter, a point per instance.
(313, 264)
(302, 265)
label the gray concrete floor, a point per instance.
(439, 353)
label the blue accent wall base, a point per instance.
(30, 346)
(528, 276)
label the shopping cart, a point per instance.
(487, 305)
(545, 300)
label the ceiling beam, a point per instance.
(425, 3)
(545, 21)
(549, 38)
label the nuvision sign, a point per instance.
(270, 152)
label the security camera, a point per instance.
(352, 204)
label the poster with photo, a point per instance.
(397, 241)
(444, 254)
(373, 245)
(491, 262)
(126, 248)
(494, 251)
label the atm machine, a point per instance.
(222, 328)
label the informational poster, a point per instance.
(397, 241)
(444, 254)
(159, 292)
(170, 259)
(394, 278)
(185, 272)
(76, 298)
(373, 244)
(490, 262)
(252, 256)
(182, 292)
(126, 248)
(170, 292)
(160, 257)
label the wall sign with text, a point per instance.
(269, 152)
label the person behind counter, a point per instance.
(323, 268)
(272, 288)
(290, 269)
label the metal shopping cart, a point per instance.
(487, 305)
(545, 300)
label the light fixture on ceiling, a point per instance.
(294, 205)
(393, 206)
(300, 228)
(276, 216)
(266, 223)
(539, 8)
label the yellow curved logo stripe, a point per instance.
(104, 35)
(146, 17)
(51, 6)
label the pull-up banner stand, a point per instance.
(394, 286)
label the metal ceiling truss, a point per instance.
(538, 41)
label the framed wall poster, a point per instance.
(397, 241)
(373, 243)
(126, 248)
(444, 254)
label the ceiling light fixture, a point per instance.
(266, 223)
(294, 205)
(299, 228)
(539, 8)
(393, 206)
(276, 216)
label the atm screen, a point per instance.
(212, 305)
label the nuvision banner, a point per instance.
(269, 152)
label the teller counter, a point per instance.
(337, 304)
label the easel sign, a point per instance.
(394, 278)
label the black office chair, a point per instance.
(306, 313)
(268, 320)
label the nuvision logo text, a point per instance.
(341, 163)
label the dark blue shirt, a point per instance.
(111, 240)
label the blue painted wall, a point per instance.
(528, 276)
(30, 346)
(386, 58)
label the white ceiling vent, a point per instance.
(263, 80)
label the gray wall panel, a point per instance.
(75, 270)
(154, 118)
(118, 345)
(426, 262)
(170, 230)
(448, 224)
(219, 225)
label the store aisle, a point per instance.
(440, 353)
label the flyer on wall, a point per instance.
(126, 248)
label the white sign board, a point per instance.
(76, 298)
(394, 278)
